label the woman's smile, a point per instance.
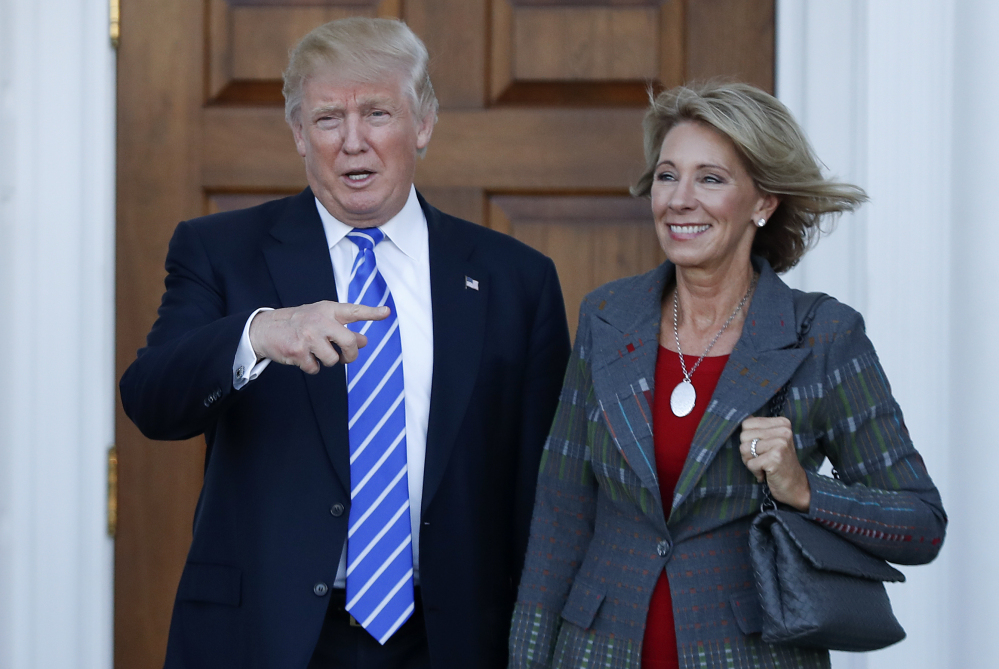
(686, 230)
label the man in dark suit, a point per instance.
(374, 379)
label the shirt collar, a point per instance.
(403, 229)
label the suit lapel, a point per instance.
(299, 262)
(459, 330)
(625, 346)
(763, 360)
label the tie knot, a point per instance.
(366, 238)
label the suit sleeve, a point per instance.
(182, 379)
(884, 500)
(547, 356)
(563, 519)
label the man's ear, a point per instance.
(296, 130)
(424, 130)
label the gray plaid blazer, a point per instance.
(600, 537)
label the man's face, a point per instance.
(360, 144)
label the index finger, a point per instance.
(755, 423)
(763, 422)
(351, 313)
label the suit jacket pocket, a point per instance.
(210, 583)
(746, 609)
(583, 603)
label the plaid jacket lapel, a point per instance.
(763, 360)
(625, 345)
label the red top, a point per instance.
(672, 437)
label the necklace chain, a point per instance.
(676, 331)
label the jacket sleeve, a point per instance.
(182, 379)
(884, 500)
(545, 366)
(563, 519)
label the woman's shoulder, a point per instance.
(837, 329)
(825, 309)
(629, 305)
(637, 288)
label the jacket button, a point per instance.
(337, 509)
(662, 548)
(320, 589)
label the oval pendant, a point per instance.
(683, 398)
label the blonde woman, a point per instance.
(638, 555)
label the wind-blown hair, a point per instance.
(364, 50)
(774, 151)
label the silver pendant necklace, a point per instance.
(684, 396)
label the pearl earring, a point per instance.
(760, 223)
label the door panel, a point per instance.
(592, 239)
(539, 136)
(591, 54)
(248, 42)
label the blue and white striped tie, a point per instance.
(379, 536)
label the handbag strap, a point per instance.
(805, 307)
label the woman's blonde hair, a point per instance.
(774, 151)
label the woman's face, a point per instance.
(704, 201)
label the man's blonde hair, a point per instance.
(364, 50)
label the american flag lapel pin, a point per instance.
(471, 283)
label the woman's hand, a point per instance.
(776, 460)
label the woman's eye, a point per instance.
(665, 176)
(712, 179)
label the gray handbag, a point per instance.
(816, 589)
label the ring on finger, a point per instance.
(752, 447)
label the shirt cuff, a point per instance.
(246, 366)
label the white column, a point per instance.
(974, 321)
(57, 333)
(820, 77)
(909, 90)
(872, 83)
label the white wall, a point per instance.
(974, 319)
(900, 96)
(56, 332)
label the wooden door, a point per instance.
(539, 136)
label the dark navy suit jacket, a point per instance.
(269, 525)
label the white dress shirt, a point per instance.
(403, 258)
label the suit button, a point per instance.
(337, 509)
(320, 589)
(662, 548)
